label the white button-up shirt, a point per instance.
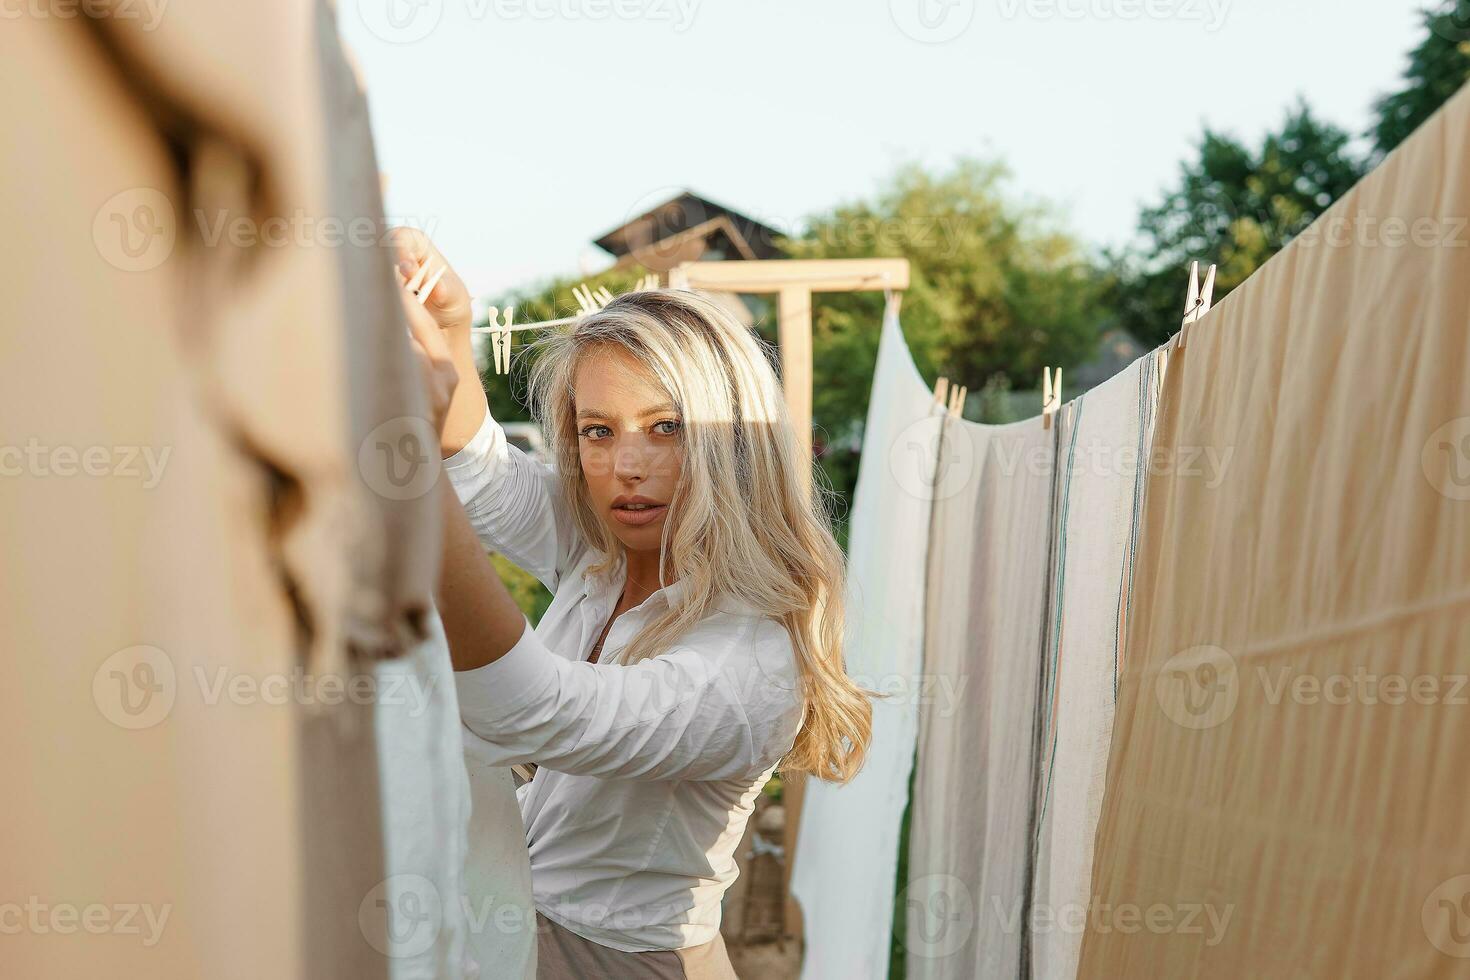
(648, 771)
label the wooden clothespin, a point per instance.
(1197, 301)
(583, 296)
(500, 338)
(957, 395)
(941, 391)
(589, 301)
(1051, 395)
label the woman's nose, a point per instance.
(630, 462)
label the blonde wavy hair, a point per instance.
(747, 518)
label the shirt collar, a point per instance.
(612, 582)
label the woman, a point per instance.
(694, 637)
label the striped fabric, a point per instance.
(1103, 437)
(973, 820)
(1032, 542)
(1005, 552)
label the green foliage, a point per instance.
(1237, 206)
(524, 588)
(1438, 67)
(995, 286)
(1234, 206)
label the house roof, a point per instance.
(688, 216)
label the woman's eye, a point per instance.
(673, 427)
(594, 431)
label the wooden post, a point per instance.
(794, 332)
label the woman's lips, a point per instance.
(640, 517)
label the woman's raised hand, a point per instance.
(449, 303)
(448, 308)
(430, 348)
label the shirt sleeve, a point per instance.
(684, 714)
(515, 504)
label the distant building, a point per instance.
(689, 228)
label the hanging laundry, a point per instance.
(227, 548)
(1104, 441)
(426, 813)
(973, 820)
(500, 914)
(1286, 793)
(845, 875)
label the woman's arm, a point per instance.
(481, 619)
(723, 705)
(515, 504)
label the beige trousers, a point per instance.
(563, 955)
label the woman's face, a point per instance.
(630, 439)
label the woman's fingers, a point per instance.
(436, 362)
(448, 301)
(422, 328)
(412, 245)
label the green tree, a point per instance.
(1233, 206)
(996, 288)
(1438, 68)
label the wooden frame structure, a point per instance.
(794, 281)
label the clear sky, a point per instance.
(516, 131)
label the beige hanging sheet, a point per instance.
(1287, 793)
